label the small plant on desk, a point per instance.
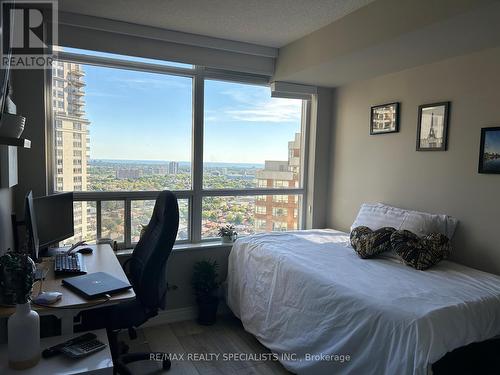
(205, 285)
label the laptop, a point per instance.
(94, 285)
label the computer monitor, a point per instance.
(54, 218)
(31, 227)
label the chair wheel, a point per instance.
(132, 333)
(166, 364)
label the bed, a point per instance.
(309, 298)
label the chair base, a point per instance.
(121, 358)
(122, 361)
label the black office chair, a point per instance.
(148, 276)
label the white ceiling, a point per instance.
(273, 23)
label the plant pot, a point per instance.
(11, 126)
(229, 239)
(207, 310)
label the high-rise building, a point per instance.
(173, 167)
(279, 212)
(71, 138)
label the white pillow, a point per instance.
(378, 215)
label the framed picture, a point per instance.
(432, 127)
(489, 154)
(384, 119)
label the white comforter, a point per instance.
(308, 293)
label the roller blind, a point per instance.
(92, 33)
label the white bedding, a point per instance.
(307, 292)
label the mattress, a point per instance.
(309, 298)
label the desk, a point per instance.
(99, 363)
(103, 259)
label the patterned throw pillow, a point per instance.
(420, 252)
(368, 243)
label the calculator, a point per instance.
(83, 349)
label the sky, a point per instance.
(148, 116)
(492, 142)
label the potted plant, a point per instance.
(227, 233)
(205, 285)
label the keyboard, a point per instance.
(69, 264)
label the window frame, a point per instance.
(196, 194)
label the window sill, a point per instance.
(183, 247)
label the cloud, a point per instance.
(251, 107)
(277, 110)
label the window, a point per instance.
(260, 224)
(260, 210)
(278, 211)
(261, 129)
(131, 133)
(280, 183)
(262, 183)
(281, 199)
(280, 226)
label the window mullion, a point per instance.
(197, 156)
(304, 180)
(98, 219)
(128, 223)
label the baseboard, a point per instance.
(181, 314)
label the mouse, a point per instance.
(85, 250)
(48, 298)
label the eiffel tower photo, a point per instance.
(432, 127)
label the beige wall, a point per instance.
(387, 168)
(180, 270)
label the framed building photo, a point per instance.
(384, 119)
(432, 127)
(489, 154)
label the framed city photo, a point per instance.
(384, 119)
(432, 127)
(489, 154)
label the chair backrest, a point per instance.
(148, 271)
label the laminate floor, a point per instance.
(201, 350)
